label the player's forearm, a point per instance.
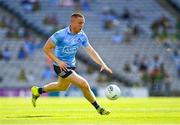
(51, 55)
(96, 58)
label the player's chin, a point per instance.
(78, 30)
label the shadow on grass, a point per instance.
(30, 116)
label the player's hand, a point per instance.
(104, 67)
(63, 65)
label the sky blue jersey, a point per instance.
(67, 45)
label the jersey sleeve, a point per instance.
(85, 41)
(56, 38)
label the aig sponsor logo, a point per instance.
(70, 49)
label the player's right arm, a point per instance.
(48, 49)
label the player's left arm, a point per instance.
(96, 58)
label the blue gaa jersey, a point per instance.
(67, 45)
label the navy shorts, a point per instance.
(63, 74)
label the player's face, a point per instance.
(77, 24)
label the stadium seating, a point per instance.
(114, 54)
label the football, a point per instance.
(112, 92)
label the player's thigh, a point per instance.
(78, 80)
(63, 83)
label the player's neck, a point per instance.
(72, 30)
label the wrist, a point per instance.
(102, 64)
(58, 61)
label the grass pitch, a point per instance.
(77, 111)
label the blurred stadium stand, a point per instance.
(44, 17)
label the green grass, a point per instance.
(63, 111)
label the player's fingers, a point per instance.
(110, 71)
(65, 68)
(60, 69)
(101, 69)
